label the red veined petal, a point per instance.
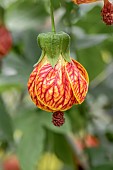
(53, 88)
(78, 79)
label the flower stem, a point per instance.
(52, 17)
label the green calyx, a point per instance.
(53, 45)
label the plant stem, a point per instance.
(52, 17)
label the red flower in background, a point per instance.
(87, 142)
(11, 163)
(5, 41)
(107, 12)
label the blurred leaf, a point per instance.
(104, 167)
(62, 149)
(31, 147)
(109, 136)
(43, 118)
(78, 120)
(91, 58)
(32, 141)
(26, 14)
(6, 129)
(8, 82)
(31, 124)
(98, 156)
(68, 167)
(6, 3)
(71, 13)
(90, 40)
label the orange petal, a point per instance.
(78, 78)
(82, 70)
(83, 1)
(31, 89)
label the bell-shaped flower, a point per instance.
(57, 81)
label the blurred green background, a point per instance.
(25, 130)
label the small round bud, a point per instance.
(58, 118)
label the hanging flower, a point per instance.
(57, 81)
(83, 1)
(5, 41)
(107, 12)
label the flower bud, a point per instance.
(57, 81)
(58, 118)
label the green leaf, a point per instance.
(104, 167)
(26, 14)
(91, 59)
(6, 129)
(78, 119)
(62, 149)
(45, 119)
(31, 147)
(31, 123)
(7, 82)
(98, 156)
(32, 140)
